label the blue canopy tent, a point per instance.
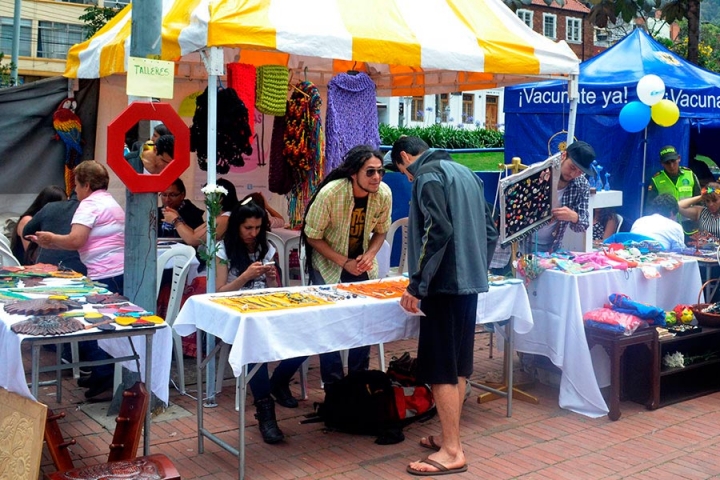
(536, 113)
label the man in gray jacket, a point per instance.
(451, 238)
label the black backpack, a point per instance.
(368, 403)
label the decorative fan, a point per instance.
(558, 142)
(36, 306)
(47, 325)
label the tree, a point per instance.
(708, 47)
(6, 69)
(603, 12)
(95, 18)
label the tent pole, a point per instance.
(213, 61)
(573, 93)
(642, 182)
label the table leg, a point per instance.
(242, 386)
(148, 382)
(199, 373)
(35, 370)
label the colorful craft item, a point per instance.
(280, 300)
(154, 319)
(683, 313)
(125, 321)
(670, 317)
(47, 325)
(382, 289)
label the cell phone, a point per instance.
(268, 263)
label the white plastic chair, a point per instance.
(7, 259)
(181, 257)
(402, 224)
(4, 240)
(277, 242)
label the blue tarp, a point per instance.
(535, 113)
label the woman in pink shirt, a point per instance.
(98, 234)
(98, 228)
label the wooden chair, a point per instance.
(156, 466)
(126, 438)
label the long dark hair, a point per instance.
(230, 200)
(352, 162)
(236, 250)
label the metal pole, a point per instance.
(642, 184)
(141, 208)
(15, 43)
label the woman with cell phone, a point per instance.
(245, 261)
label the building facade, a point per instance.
(47, 31)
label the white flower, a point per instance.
(210, 189)
(674, 360)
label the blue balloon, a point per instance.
(634, 116)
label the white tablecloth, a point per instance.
(559, 301)
(276, 335)
(12, 374)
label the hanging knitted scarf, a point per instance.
(352, 117)
(241, 78)
(280, 175)
(233, 130)
(304, 147)
(271, 92)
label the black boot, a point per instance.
(267, 423)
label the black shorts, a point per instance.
(447, 338)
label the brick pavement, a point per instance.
(538, 442)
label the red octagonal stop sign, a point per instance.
(138, 182)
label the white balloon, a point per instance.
(650, 89)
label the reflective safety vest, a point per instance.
(682, 188)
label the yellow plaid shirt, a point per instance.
(329, 219)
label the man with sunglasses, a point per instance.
(351, 204)
(680, 182)
(173, 200)
(451, 239)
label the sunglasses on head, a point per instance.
(370, 172)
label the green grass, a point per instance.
(480, 162)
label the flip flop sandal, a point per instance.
(441, 469)
(430, 445)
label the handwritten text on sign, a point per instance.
(150, 78)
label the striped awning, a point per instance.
(408, 47)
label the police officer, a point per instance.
(680, 182)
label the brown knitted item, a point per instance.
(47, 325)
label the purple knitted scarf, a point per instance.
(351, 117)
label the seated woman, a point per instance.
(604, 223)
(196, 236)
(242, 264)
(704, 209)
(275, 217)
(23, 249)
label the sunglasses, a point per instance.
(370, 172)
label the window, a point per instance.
(550, 26)
(84, 2)
(55, 39)
(442, 106)
(6, 37)
(526, 16)
(573, 30)
(602, 37)
(468, 108)
(417, 109)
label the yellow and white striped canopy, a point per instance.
(408, 47)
